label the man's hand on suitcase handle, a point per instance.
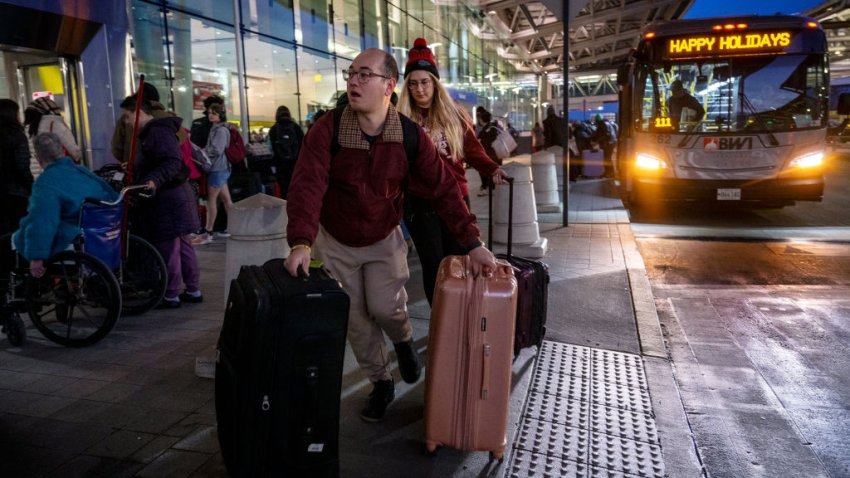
(500, 176)
(299, 256)
(482, 260)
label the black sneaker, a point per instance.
(168, 304)
(191, 299)
(408, 361)
(383, 393)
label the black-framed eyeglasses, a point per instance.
(362, 76)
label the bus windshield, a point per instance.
(733, 95)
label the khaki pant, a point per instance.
(374, 277)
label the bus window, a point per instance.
(753, 94)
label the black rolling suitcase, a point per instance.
(532, 286)
(279, 373)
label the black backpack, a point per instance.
(286, 143)
(409, 129)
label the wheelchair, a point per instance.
(142, 274)
(80, 297)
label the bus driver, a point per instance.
(680, 99)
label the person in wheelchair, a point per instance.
(52, 220)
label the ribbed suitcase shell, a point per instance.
(470, 351)
(532, 286)
(532, 279)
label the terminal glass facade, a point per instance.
(294, 51)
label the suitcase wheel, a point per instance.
(432, 448)
(500, 456)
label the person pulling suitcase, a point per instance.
(348, 206)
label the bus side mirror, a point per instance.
(844, 104)
(623, 74)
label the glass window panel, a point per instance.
(221, 10)
(149, 46)
(440, 47)
(415, 29)
(204, 59)
(272, 82)
(269, 17)
(373, 19)
(430, 17)
(346, 28)
(414, 9)
(451, 18)
(318, 80)
(397, 23)
(5, 78)
(312, 25)
(453, 52)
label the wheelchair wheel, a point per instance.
(76, 302)
(15, 330)
(143, 277)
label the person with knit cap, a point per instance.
(43, 115)
(424, 100)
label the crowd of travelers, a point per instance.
(360, 173)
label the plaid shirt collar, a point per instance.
(351, 137)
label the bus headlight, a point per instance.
(649, 163)
(810, 160)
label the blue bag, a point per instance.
(101, 227)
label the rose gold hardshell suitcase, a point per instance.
(470, 353)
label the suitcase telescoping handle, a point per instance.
(510, 215)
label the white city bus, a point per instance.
(763, 84)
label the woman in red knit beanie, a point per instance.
(424, 100)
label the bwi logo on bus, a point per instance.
(713, 143)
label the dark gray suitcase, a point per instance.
(279, 373)
(532, 286)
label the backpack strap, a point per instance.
(409, 129)
(335, 146)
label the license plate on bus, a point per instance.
(732, 194)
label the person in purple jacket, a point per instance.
(167, 219)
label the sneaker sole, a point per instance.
(370, 419)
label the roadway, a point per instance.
(754, 305)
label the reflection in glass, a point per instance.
(373, 21)
(272, 81)
(198, 58)
(346, 28)
(273, 18)
(317, 80)
(204, 59)
(148, 35)
(312, 25)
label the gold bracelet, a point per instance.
(300, 246)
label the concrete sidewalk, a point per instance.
(599, 400)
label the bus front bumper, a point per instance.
(773, 189)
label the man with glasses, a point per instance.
(348, 207)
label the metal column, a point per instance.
(240, 69)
